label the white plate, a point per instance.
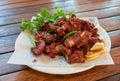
(71, 70)
(60, 70)
(22, 51)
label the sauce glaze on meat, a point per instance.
(50, 40)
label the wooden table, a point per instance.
(11, 13)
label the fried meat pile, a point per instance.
(52, 41)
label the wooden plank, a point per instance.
(8, 68)
(109, 12)
(110, 25)
(7, 43)
(103, 13)
(41, 2)
(67, 6)
(115, 53)
(60, 3)
(6, 2)
(115, 38)
(110, 18)
(112, 78)
(9, 30)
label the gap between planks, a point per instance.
(98, 13)
(34, 3)
(23, 1)
(77, 8)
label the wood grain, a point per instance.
(7, 44)
(110, 25)
(6, 2)
(115, 53)
(93, 74)
(8, 68)
(8, 30)
(111, 18)
(40, 2)
(115, 38)
(109, 12)
(103, 13)
(67, 6)
(112, 78)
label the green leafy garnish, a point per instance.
(33, 40)
(42, 17)
(71, 13)
(59, 11)
(69, 34)
(60, 28)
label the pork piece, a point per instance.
(61, 32)
(94, 40)
(46, 27)
(64, 29)
(39, 48)
(76, 57)
(61, 21)
(54, 26)
(58, 24)
(78, 39)
(85, 25)
(86, 48)
(90, 43)
(47, 37)
(94, 32)
(57, 48)
(75, 23)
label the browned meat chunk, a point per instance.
(61, 21)
(59, 38)
(79, 39)
(57, 48)
(54, 26)
(46, 27)
(75, 23)
(47, 37)
(39, 48)
(76, 57)
(94, 32)
(86, 25)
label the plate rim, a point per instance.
(43, 69)
(56, 69)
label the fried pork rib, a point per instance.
(78, 39)
(50, 39)
(57, 48)
(76, 57)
